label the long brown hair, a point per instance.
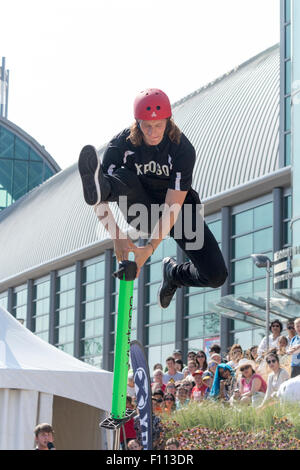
(172, 131)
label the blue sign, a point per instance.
(143, 392)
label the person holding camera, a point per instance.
(276, 329)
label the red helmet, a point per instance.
(152, 104)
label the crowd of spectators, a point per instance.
(236, 377)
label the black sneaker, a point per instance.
(167, 288)
(95, 188)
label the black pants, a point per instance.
(295, 371)
(206, 267)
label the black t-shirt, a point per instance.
(164, 166)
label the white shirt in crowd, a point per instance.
(131, 391)
(274, 382)
(262, 348)
(177, 376)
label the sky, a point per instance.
(77, 65)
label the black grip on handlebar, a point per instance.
(129, 268)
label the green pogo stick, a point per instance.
(122, 343)
(126, 273)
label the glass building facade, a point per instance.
(70, 307)
(75, 308)
(21, 167)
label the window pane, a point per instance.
(3, 198)
(240, 325)
(258, 335)
(154, 314)
(242, 270)
(20, 182)
(47, 172)
(244, 339)
(154, 357)
(194, 327)
(166, 350)
(154, 334)
(287, 7)
(35, 174)
(287, 233)
(263, 240)
(288, 77)
(169, 247)
(211, 324)
(6, 143)
(35, 157)
(155, 272)
(288, 113)
(259, 286)
(152, 292)
(195, 304)
(210, 298)
(21, 150)
(263, 215)
(134, 319)
(195, 345)
(287, 207)
(287, 149)
(168, 332)
(243, 289)
(243, 222)
(288, 42)
(158, 254)
(3, 301)
(216, 229)
(242, 246)
(92, 347)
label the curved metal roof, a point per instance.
(31, 142)
(234, 125)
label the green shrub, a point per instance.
(213, 425)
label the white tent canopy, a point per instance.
(39, 382)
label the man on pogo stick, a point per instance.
(151, 164)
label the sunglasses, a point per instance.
(272, 361)
(169, 399)
(244, 368)
(290, 328)
(200, 355)
(212, 364)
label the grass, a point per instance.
(217, 416)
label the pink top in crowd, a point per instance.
(246, 387)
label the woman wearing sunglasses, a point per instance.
(169, 403)
(252, 386)
(201, 360)
(277, 376)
